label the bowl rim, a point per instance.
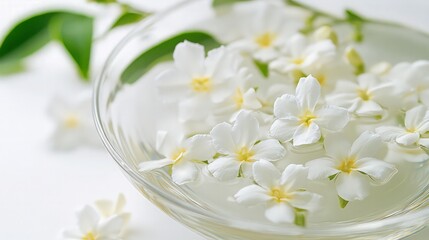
(418, 218)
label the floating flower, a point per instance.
(414, 132)
(283, 193)
(197, 81)
(302, 54)
(352, 166)
(301, 119)
(266, 32)
(368, 97)
(74, 124)
(92, 227)
(181, 155)
(240, 146)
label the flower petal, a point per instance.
(286, 106)
(369, 108)
(280, 213)
(151, 165)
(283, 129)
(378, 170)
(87, 219)
(415, 116)
(269, 149)
(332, 118)
(265, 174)
(368, 145)
(252, 195)
(306, 134)
(305, 200)
(321, 168)
(245, 130)
(195, 108)
(111, 227)
(224, 168)
(173, 85)
(308, 93)
(184, 172)
(389, 133)
(408, 138)
(353, 186)
(222, 138)
(200, 147)
(189, 58)
(294, 177)
(337, 146)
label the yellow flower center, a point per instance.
(245, 155)
(298, 61)
(307, 118)
(178, 155)
(238, 98)
(321, 79)
(279, 195)
(347, 165)
(201, 84)
(71, 121)
(364, 94)
(89, 236)
(265, 40)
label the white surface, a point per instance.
(41, 188)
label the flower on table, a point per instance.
(368, 97)
(283, 193)
(109, 224)
(197, 81)
(74, 124)
(300, 118)
(266, 32)
(182, 155)
(109, 208)
(414, 132)
(352, 166)
(239, 146)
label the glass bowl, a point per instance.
(126, 115)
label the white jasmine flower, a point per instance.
(414, 133)
(368, 97)
(301, 119)
(352, 166)
(302, 53)
(197, 81)
(92, 227)
(283, 193)
(265, 31)
(109, 208)
(415, 78)
(240, 146)
(181, 155)
(74, 124)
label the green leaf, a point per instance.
(8, 68)
(164, 52)
(425, 149)
(75, 32)
(343, 202)
(128, 18)
(217, 3)
(332, 177)
(300, 217)
(351, 16)
(263, 68)
(26, 37)
(103, 1)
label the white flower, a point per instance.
(181, 155)
(414, 132)
(282, 192)
(92, 227)
(368, 97)
(74, 124)
(352, 166)
(415, 78)
(109, 208)
(265, 30)
(196, 81)
(302, 54)
(240, 147)
(301, 119)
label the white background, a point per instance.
(41, 188)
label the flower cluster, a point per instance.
(316, 92)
